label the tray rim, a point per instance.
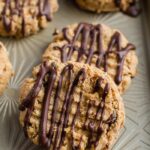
(146, 30)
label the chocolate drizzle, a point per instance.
(7, 23)
(90, 125)
(54, 137)
(28, 102)
(46, 102)
(111, 119)
(132, 10)
(67, 70)
(93, 34)
(100, 110)
(45, 139)
(44, 10)
(66, 108)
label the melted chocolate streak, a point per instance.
(132, 10)
(57, 137)
(30, 99)
(89, 32)
(44, 9)
(90, 126)
(100, 110)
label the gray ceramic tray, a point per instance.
(26, 53)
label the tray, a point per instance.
(26, 53)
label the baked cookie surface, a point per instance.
(21, 18)
(96, 45)
(126, 6)
(5, 69)
(71, 106)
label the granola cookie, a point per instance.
(71, 106)
(21, 18)
(126, 6)
(96, 45)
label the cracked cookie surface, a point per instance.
(21, 18)
(71, 106)
(96, 45)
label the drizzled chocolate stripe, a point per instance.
(7, 24)
(28, 102)
(47, 78)
(93, 34)
(90, 126)
(46, 101)
(100, 112)
(67, 108)
(121, 55)
(44, 10)
(67, 70)
(132, 10)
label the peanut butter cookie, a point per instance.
(96, 45)
(71, 106)
(25, 17)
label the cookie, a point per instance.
(71, 106)
(21, 18)
(96, 45)
(5, 69)
(128, 7)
